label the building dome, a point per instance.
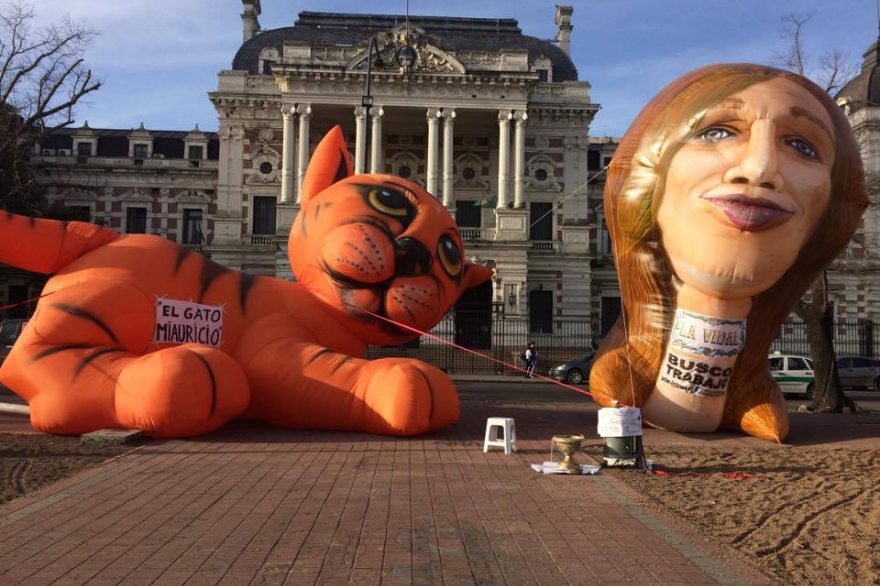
(863, 91)
(452, 34)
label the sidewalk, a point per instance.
(252, 504)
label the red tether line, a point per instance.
(25, 302)
(475, 353)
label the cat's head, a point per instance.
(377, 243)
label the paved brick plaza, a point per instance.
(252, 504)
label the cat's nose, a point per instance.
(411, 257)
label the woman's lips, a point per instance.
(751, 214)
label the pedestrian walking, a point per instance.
(531, 359)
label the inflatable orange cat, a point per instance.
(135, 332)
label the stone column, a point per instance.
(360, 120)
(504, 117)
(519, 146)
(287, 112)
(376, 165)
(433, 116)
(448, 123)
(302, 152)
(228, 220)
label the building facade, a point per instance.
(495, 123)
(855, 276)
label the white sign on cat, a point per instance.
(185, 322)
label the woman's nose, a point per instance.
(411, 257)
(759, 165)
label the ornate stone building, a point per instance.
(855, 278)
(495, 123)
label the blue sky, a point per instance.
(160, 58)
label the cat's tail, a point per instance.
(46, 246)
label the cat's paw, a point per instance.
(406, 397)
(181, 391)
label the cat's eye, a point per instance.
(389, 202)
(450, 256)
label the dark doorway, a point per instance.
(541, 221)
(540, 311)
(264, 216)
(473, 318)
(610, 310)
(468, 214)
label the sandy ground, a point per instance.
(805, 516)
(30, 461)
(802, 515)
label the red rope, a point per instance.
(414, 330)
(475, 353)
(25, 302)
(730, 475)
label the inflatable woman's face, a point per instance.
(747, 188)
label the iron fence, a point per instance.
(499, 339)
(852, 337)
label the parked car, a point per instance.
(574, 372)
(10, 329)
(859, 372)
(793, 374)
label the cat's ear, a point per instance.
(475, 274)
(330, 163)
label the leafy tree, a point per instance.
(816, 310)
(42, 78)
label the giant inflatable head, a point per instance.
(730, 193)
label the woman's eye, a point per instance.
(712, 135)
(389, 202)
(450, 256)
(804, 148)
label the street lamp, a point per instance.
(367, 99)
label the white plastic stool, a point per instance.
(493, 425)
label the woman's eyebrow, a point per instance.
(732, 103)
(799, 112)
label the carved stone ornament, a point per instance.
(78, 193)
(136, 194)
(541, 174)
(193, 196)
(469, 172)
(428, 58)
(265, 168)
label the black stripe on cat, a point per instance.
(86, 315)
(210, 272)
(88, 359)
(182, 255)
(246, 284)
(213, 382)
(320, 352)
(58, 349)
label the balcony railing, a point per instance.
(112, 162)
(486, 234)
(545, 246)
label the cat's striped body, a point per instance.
(291, 353)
